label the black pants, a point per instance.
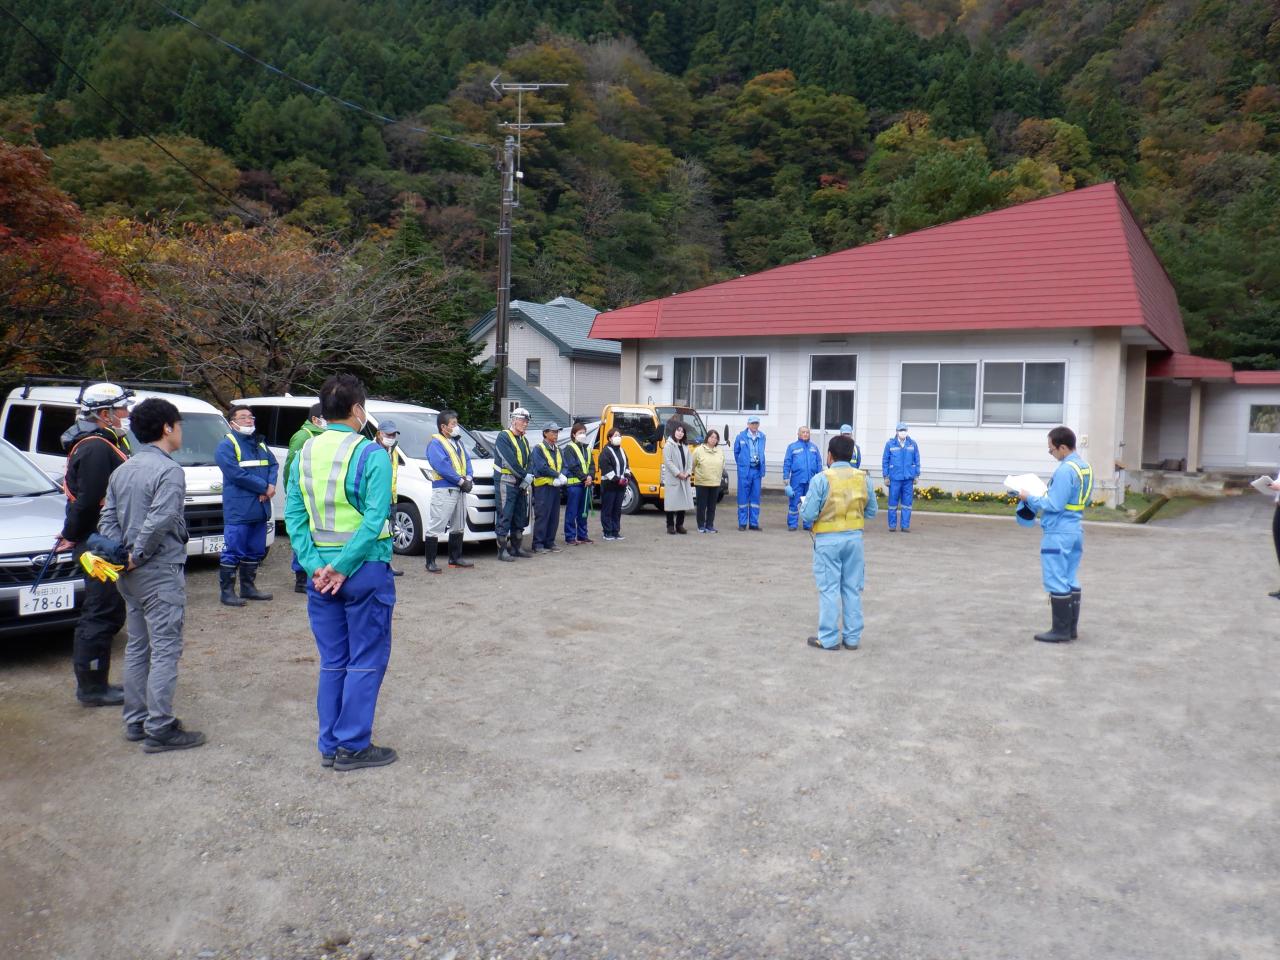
(611, 508)
(705, 499)
(675, 519)
(546, 515)
(101, 618)
(1275, 531)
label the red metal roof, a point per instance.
(1258, 377)
(1076, 259)
(1186, 366)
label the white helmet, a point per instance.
(519, 413)
(104, 396)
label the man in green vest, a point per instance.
(312, 426)
(336, 514)
(838, 501)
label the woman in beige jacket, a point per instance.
(708, 470)
(677, 468)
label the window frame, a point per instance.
(28, 412)
(530, 377)
(973, 421)
(716, 384)
(1249, 427)
(1022, 404)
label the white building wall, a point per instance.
(525, 342)
(595, 383)
(1225, 440)
(953, 457)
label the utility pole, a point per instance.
(510, 200)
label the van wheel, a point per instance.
(631, 501)
(406, 530)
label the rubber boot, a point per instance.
(93, 690)
(455, 551)
(1075, 612)
(518, 550)
(249, 583)
(433, 547)
(1060, 632)
(503, 553)
(300, 581)
(227, 581)
(671, 522)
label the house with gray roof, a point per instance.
(555, 368)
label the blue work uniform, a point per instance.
(578, 467)
(748, 454)
(248, 468)
(838, 565)
(352, 627)
(511, 456)
(800, 464)
(900, 466)
(548, 464)
(1061, 511)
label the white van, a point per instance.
(35, 417)
(279, 418)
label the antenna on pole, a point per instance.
(512, 176)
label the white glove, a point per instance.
(561, 480)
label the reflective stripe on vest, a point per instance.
(845, 503)
(76, 446)
(522, 452)
(582, 462)
(1085, 476)
(554, 460)
(322, 475)
(240, 456)
(455, 457)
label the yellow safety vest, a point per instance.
(522, 452)
(846, 501)
(395, 470)
(1085, 476)
(582, 461)
(322, 475)
(264, 462)
(455, 456)
(555, 460)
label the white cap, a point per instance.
(104, 396)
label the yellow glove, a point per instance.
(98, 568)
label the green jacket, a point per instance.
(305, 433)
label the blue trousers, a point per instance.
(353, 636)
(1060, 552)
(749, 497)
(840, 573)
(575, 512)
(798, 490)
(904, 492)
(512, 508)
(546, 514)
(243, 543)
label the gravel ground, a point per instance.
(626, 750)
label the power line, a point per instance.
(382, 118)
(129, 120)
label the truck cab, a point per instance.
(645, 431)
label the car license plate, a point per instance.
(46, 598)
(214, 544)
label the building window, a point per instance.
(840, 367)
(533, 372)
(733, 384)
(939, 393)
(1264, 418)
(1018, 393)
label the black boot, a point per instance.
(518, 550)
(1060, 632)
(92, 689)
(1075, 612)
(227, 581)
(671, 522)
(299, 581)
(503, 553)
(455, 551)
(433, 547)
(249, 583)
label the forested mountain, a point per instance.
(700, 139)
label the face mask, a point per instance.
(579, 438)
(124, 425)
(387, 442)
(242, 429)
(902, 434)
(616, 441)
(364, 421)
(322, 423)
(456, 431)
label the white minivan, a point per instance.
(36, 416)
(279, 418)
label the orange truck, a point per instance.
(645, 430)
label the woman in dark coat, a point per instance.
(615, 474)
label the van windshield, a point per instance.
(201, 434)
(694, 428)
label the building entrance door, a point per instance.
(830, 407)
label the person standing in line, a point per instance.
(96, 445)
(452, 482)
(548, 478)
(846, 430)
(1061, 512)
(336, 516)
(1275, 526)
(677, 489)
(839, 500)
(708, 469)
(511, 459)
(900, 465)
(248, 483)
(800, 464)
(580, 469)
(615, 477)
(312, 426)
(387, 436)
(144, 511)
(748, 454)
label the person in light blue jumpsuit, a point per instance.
(839, 500)
(249, 471)
(900, 466)
(800, 464)
(1061, 511)
(748, 454)
(846, 430)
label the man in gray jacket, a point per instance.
(143, 511)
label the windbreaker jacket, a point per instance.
(241, 484)
(745, 448)
(801, 463)
(901, 461)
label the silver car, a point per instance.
(32, 510)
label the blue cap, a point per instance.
(753, 419)
(900, 426)
(846, 428)
(551, 425)
(1026, 516)
(388, 427)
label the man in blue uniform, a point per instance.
(336, 514)
(846, 430)
(453, 481)
(800, 464)
(248, 484)
(839, 500)
(748, 454)
(900, 466)
(511, 486)
(548, 478)
(1061, 510)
